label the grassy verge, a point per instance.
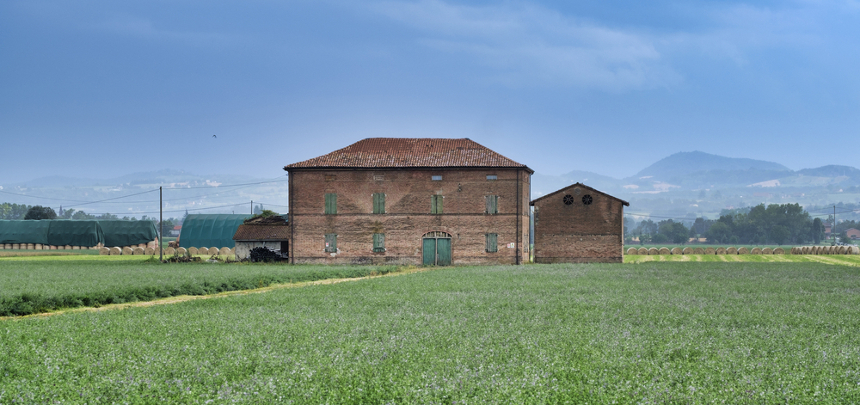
(686, 333)
(31, 285)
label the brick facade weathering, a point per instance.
(569, 230)
(408, 198)
(375, 201)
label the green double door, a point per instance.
(437, 251)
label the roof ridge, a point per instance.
(410, 152)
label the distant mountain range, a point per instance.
(703, 171)
(683, 184)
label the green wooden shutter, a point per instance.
(436, 204)
(378, 203)
(492, 204)
(331, 242)
(492, 245)
(330, 203)
(379, 242)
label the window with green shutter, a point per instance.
(492, 245)
(331, 243)
(379, 242)
(436, 204)
(330, 203)
(378, 203)
(492, 204)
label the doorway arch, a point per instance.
(436, 248)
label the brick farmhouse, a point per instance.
(578, 224)
(409, 201)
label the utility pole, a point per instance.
(160, 226)
(252, 207)
(833, 227)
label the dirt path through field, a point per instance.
(184, 298)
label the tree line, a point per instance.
(777, 224)
(22, 211)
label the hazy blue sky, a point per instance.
(104, 88)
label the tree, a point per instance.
(779, 234)
(39, 212)
(719, 232)
(817, 230)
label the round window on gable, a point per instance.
(568, 199)
(577, 191)
(586, 199)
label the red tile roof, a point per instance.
(410, 152)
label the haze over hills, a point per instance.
(683, 184)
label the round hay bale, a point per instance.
(16, 246)
(141, 245)
(203, 251)
(169, 251)
(732, 251)
(817, 250)
(854, 250)
(31, 246)
(779, 251)
(149, 251)
(677, 251)
(767, 251)
(721, 251)
(710, 251)
(127, 250)
(137, 251)
(2, 246)
(233, 251)
(192, 251)
(743, 251)
(115, 251)
(38, 246)
(7, 246)
(104, 251)
(642, 251)
(225, 251)
(181, 251)
(156, 251)
(699, 251)
(687, 251)
(755, 251)
(664, 251)
(213, 251)
(653, 252)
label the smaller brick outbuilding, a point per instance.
(270, 232)
(578, 224)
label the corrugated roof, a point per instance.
(262, 232)
(410, 152)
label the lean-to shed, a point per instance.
(270, 232)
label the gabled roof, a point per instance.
(410, 152)
(564, 189)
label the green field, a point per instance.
(39, 284)
(842, 260)
(652, 332)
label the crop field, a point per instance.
(38, 284)
(667, 332)
(843, 260)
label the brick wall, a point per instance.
(407, 214)
(579, 232)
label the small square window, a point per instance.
(492, 177)
(436, 178)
